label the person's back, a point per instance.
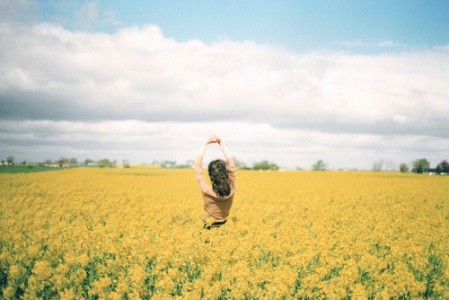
(219, 197)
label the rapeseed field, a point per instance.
(137, 234)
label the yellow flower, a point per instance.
(67, 295)
(9, 292)
(335, 235)
(15, 271)
(42, 270)
(359, 292)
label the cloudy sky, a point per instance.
(349, 82)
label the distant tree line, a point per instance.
(422, 165)
(67, 162)
(418, 166)
(73, 162)
(9, 161)
(384, 165)
(263, 165)
(172, 164)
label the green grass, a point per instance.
(25, 169)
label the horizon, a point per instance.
(292, 82)
(64, 162)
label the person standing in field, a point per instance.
(217, 198)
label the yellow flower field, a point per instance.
(137, 234)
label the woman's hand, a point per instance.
(213, 139)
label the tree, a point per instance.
(60, 162)
(390, 165)
(319, 166)
(403, 168)
(265, 165)
(443, 167)
(384, 165)
(126, 164)
(420, 166)
(88, 162)
(105, 163)
(168, 164)
(240, 164)
(10, 160)
(378, 165)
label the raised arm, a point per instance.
(230, 162)
(224, 149)
(226, 153)
(200, 154)
(198, 166)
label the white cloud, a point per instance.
(137, 88)
(140, 141)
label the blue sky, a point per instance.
(293, 82)
(300, 25)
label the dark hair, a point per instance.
(218, 174)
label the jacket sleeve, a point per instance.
(231, 172)
(205, 188)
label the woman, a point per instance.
(218, 198)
